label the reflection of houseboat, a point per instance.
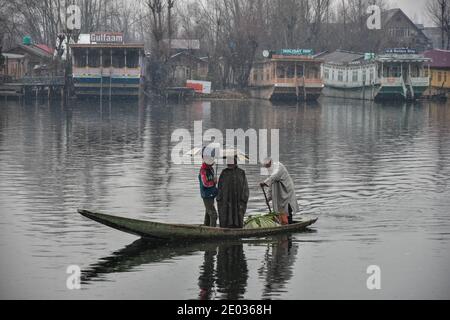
(286, 75)
(396, 75)
(107, 66)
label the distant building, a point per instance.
(182, 45)
(186, 66)
(13, 67)
(36, 57)
(435, 36)
(439, 68)
(400, 31)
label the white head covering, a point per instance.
(208, 160)
(208, 155)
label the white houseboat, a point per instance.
(286, 75)
(396, 75)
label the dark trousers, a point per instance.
(290, 220)
(210, 213)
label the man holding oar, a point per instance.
(281, 190)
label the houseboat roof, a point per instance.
(13, 55)
(108, 45)
(342, 56)
(440, 58)
(31, 49)
(392, 57)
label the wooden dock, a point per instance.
(11, 90)
(34, 87)
(179, 93)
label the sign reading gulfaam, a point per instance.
(106, 37)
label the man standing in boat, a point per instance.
(208, 189)
(233, 195)
(281, 190)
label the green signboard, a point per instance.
(296, 52)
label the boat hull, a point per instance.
(359, 93)
(286, 93)
(163, 231)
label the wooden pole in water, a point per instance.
(267, 200)
(304, 82)
(101, 74)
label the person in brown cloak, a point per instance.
(233, 195)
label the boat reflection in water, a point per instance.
(224, 272)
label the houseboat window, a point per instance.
(268, 75)
(80, 58)
(118, 58)
(255, 76)
(332, 75)
(290, 71)
(415, 71)
(327, 74)
(393, 71)
(132, 58)
(364, 76)
(94, 58)
(106, 57)
(355, 76)
(439, 77)
(299, 71)
(371, 75)
(313, 73)
(280, 72)
(340, 76)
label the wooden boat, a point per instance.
(163, 231)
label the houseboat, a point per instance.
(106, 66)
(286, 75)
(402, 75)
(350, 75)
(398, 74)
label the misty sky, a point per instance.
(415, 9)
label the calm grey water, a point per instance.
(376, 175)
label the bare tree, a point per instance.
(439, 12)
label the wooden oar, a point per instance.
(267, 200)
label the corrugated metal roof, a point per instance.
(342, 56)
(440, 58)
(389, 57)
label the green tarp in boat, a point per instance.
(269, 220)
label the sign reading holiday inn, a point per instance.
(107, 37)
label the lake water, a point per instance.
(376, 175)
